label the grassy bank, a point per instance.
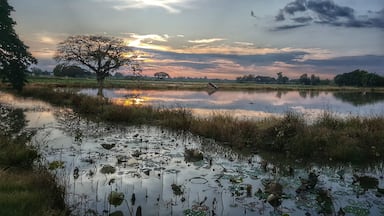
(25, 187)
(354, 139)
(179, 85)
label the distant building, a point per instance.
(161, 75)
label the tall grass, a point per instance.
(25, 187)
(353, 139)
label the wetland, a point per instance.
(117, 169)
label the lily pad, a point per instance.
(193, 155)
(56, 165)
(190, 212)
(108, 169)
(177, 189)
(108, 146)
(357, 211)
(115, 198)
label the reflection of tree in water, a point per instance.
(312, 94)
(280, 93)
(359, 98)
(11, 120)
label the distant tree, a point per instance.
(101, 54)
(38, 72)
(359, 78)
(304, 79)
(281, 79)
(315, 80)
(118, 75)
(14, 57)
(63, 70)
(161, 75)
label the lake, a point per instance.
(253, 104)
(114, 169)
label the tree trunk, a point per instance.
(100, 82)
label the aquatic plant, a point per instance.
(115, 198)
(108, 169)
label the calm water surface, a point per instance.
(255, 103)
(100, 160)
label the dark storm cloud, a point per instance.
(337, 65)
(326, 12)
(285, 27)
(355, 61)
(305, 19)
(291, 8)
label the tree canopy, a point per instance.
(14, 57)
(62, 70)
(359, 78)
(161, 75)
(100, 54)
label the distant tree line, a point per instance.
(63, 70)
(359, 78)
(281, 79)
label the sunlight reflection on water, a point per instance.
(253, 104)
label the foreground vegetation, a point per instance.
(354, 139)
(25, 187)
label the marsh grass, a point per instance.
(351, 139)
(26, 192)
(26, 188)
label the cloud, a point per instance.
(171, 6)
(210, 40)
(285, 27)
(300, 13)
(147, 41)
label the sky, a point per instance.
(217, 38)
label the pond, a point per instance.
(253, 104)
(119, 170)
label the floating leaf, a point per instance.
(177, 189)
(190, 212)
(115, 198)
(358, 211)
(193, 155)
(108, 169)
(108, 146)
(56, 165)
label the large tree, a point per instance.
(102, 55)
(14, 57)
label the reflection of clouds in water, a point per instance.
(242, 103)
(310, 115)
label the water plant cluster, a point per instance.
(26, 187)
(328, 138)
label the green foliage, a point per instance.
(359, 78)
(62, 70)
(14, 57)
(24, 188)
(281, 79)
(115, 198)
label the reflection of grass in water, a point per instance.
(354, 139)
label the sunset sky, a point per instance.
(218, 38)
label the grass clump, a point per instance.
(25, 188)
